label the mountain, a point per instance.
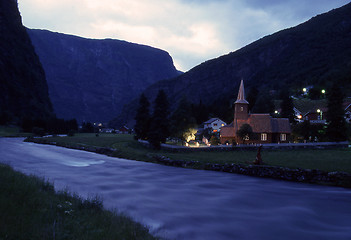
(23, 88)
(317, 52)
(90, 79)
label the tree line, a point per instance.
(157, 125)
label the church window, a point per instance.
(263, 136)
(283, 137)
(242, 109)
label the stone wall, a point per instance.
(282, 173)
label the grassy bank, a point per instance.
(30, 209)
(322, 159)
(12, 131)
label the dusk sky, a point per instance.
(192, 31)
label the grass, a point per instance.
(9, 131)
(31, 209)
(322, 159)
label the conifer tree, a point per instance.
(142, 119)
(287, 107)
(336, 129)
(182, 119)
(159, 125)
(264, 103)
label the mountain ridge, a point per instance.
(315, 52)
(91, 79)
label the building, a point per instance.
(215, 124)
(265, 128)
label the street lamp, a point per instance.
(320, 113)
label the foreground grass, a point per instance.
(322, 159)
(30, 209)
(9, 131)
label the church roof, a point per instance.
(260, 123)
(241, 94)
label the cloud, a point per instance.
(192, 31)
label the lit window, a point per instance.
(242, 109)
(246, 138)
(263, 136)
(215, 124)
(222, 124)
(283, 137)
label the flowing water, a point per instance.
(181, 203)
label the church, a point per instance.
(265, 128)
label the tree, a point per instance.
(336, 129)
(252, 97)
(264, 103)
(87, 127)
(287, 107)
(214, 140)
(182, 121)
(142, 118)
(245, 132)
(159, 130)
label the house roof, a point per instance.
(212, 120)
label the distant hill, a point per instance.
(317, 52)
(91, 80)
(23, 88)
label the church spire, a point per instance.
(241, 94)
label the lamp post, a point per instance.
(320, 113)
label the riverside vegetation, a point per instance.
(124, 146)
(31, 209)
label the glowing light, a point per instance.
(318, 110)
(304, 89)
(323, 91)
(276, 112)
(299, 117)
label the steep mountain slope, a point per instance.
(315, 52)
(91, 80)
(23, 88)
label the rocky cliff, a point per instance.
(91, 80)
(23, 88)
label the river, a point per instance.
(181, 203)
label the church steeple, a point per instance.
(241, 105)
(241, 94)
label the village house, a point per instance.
(315, 117)
(215, 124)
(265, 128)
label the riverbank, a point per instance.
(31, 209)
(317, 166)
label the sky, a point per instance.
(192, 31)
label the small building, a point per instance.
(123, 130)
(215, 124)
(265, 128)
(315, 117)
